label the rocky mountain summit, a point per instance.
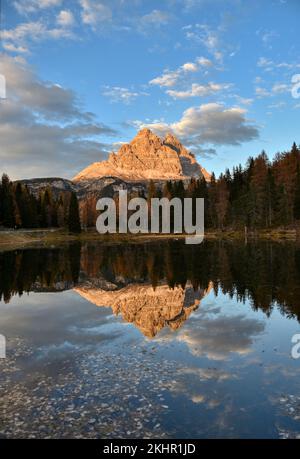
(147, 157)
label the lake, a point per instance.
(153, 340)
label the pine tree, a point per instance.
(74, 217)
(212, 199)
(7, 203)
(297, 196)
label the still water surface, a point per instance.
(153, 340)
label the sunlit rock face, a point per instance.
(149, 309)
(147, 157)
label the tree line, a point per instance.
(38, 270)
(20, 208)
(263, 194)
(243, 271)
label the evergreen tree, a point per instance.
(7, 203)
(297, 196)
(74, 217)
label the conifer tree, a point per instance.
(297, 196)
(7, 203)
(74, 217)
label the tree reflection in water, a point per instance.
(267, 273)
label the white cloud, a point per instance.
(219, 337)
(269, 65)
(119, 94)
(31, 6)
(265, 63)
(244, 100)
(203, 61)
(43, 129)
(209, 124)
(279, 88)
(65, 18)
(258, 80)
(198, 90)
(262, 92)
(19, 38)
(10, 47)
(190, 67)
(170, 78)
(204, 35)
(155, 18)
(94, 13)
(278, 105)
(167, 79)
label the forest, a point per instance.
(263, 194)
(19, 208)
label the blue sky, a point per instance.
(84, 75)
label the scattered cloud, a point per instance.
(267, 37)
(119, 94)
(65, 18)
(207, 124)
(276, 89)
(43, 128)
(278, 105)
(170, 78)
(206, 36)
(95, 13)
(265, 63)
(167, 79)
(279, 88)
(19, 38)
(190, 67)
(204, 62)
(244, 100)
(155, 18)
(32, 6)
(261, 92)
(269, 65)
(198, 90)
(11, 48)
(219, 337)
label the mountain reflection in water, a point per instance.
(159, 285)
(220, 317)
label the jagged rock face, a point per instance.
(147, 157)
(150, 310)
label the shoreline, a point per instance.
(16, 239)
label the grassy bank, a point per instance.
(10, 240)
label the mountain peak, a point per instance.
(147, 157)
(172, 141)
(145, 132)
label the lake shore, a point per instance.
(14, 239)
